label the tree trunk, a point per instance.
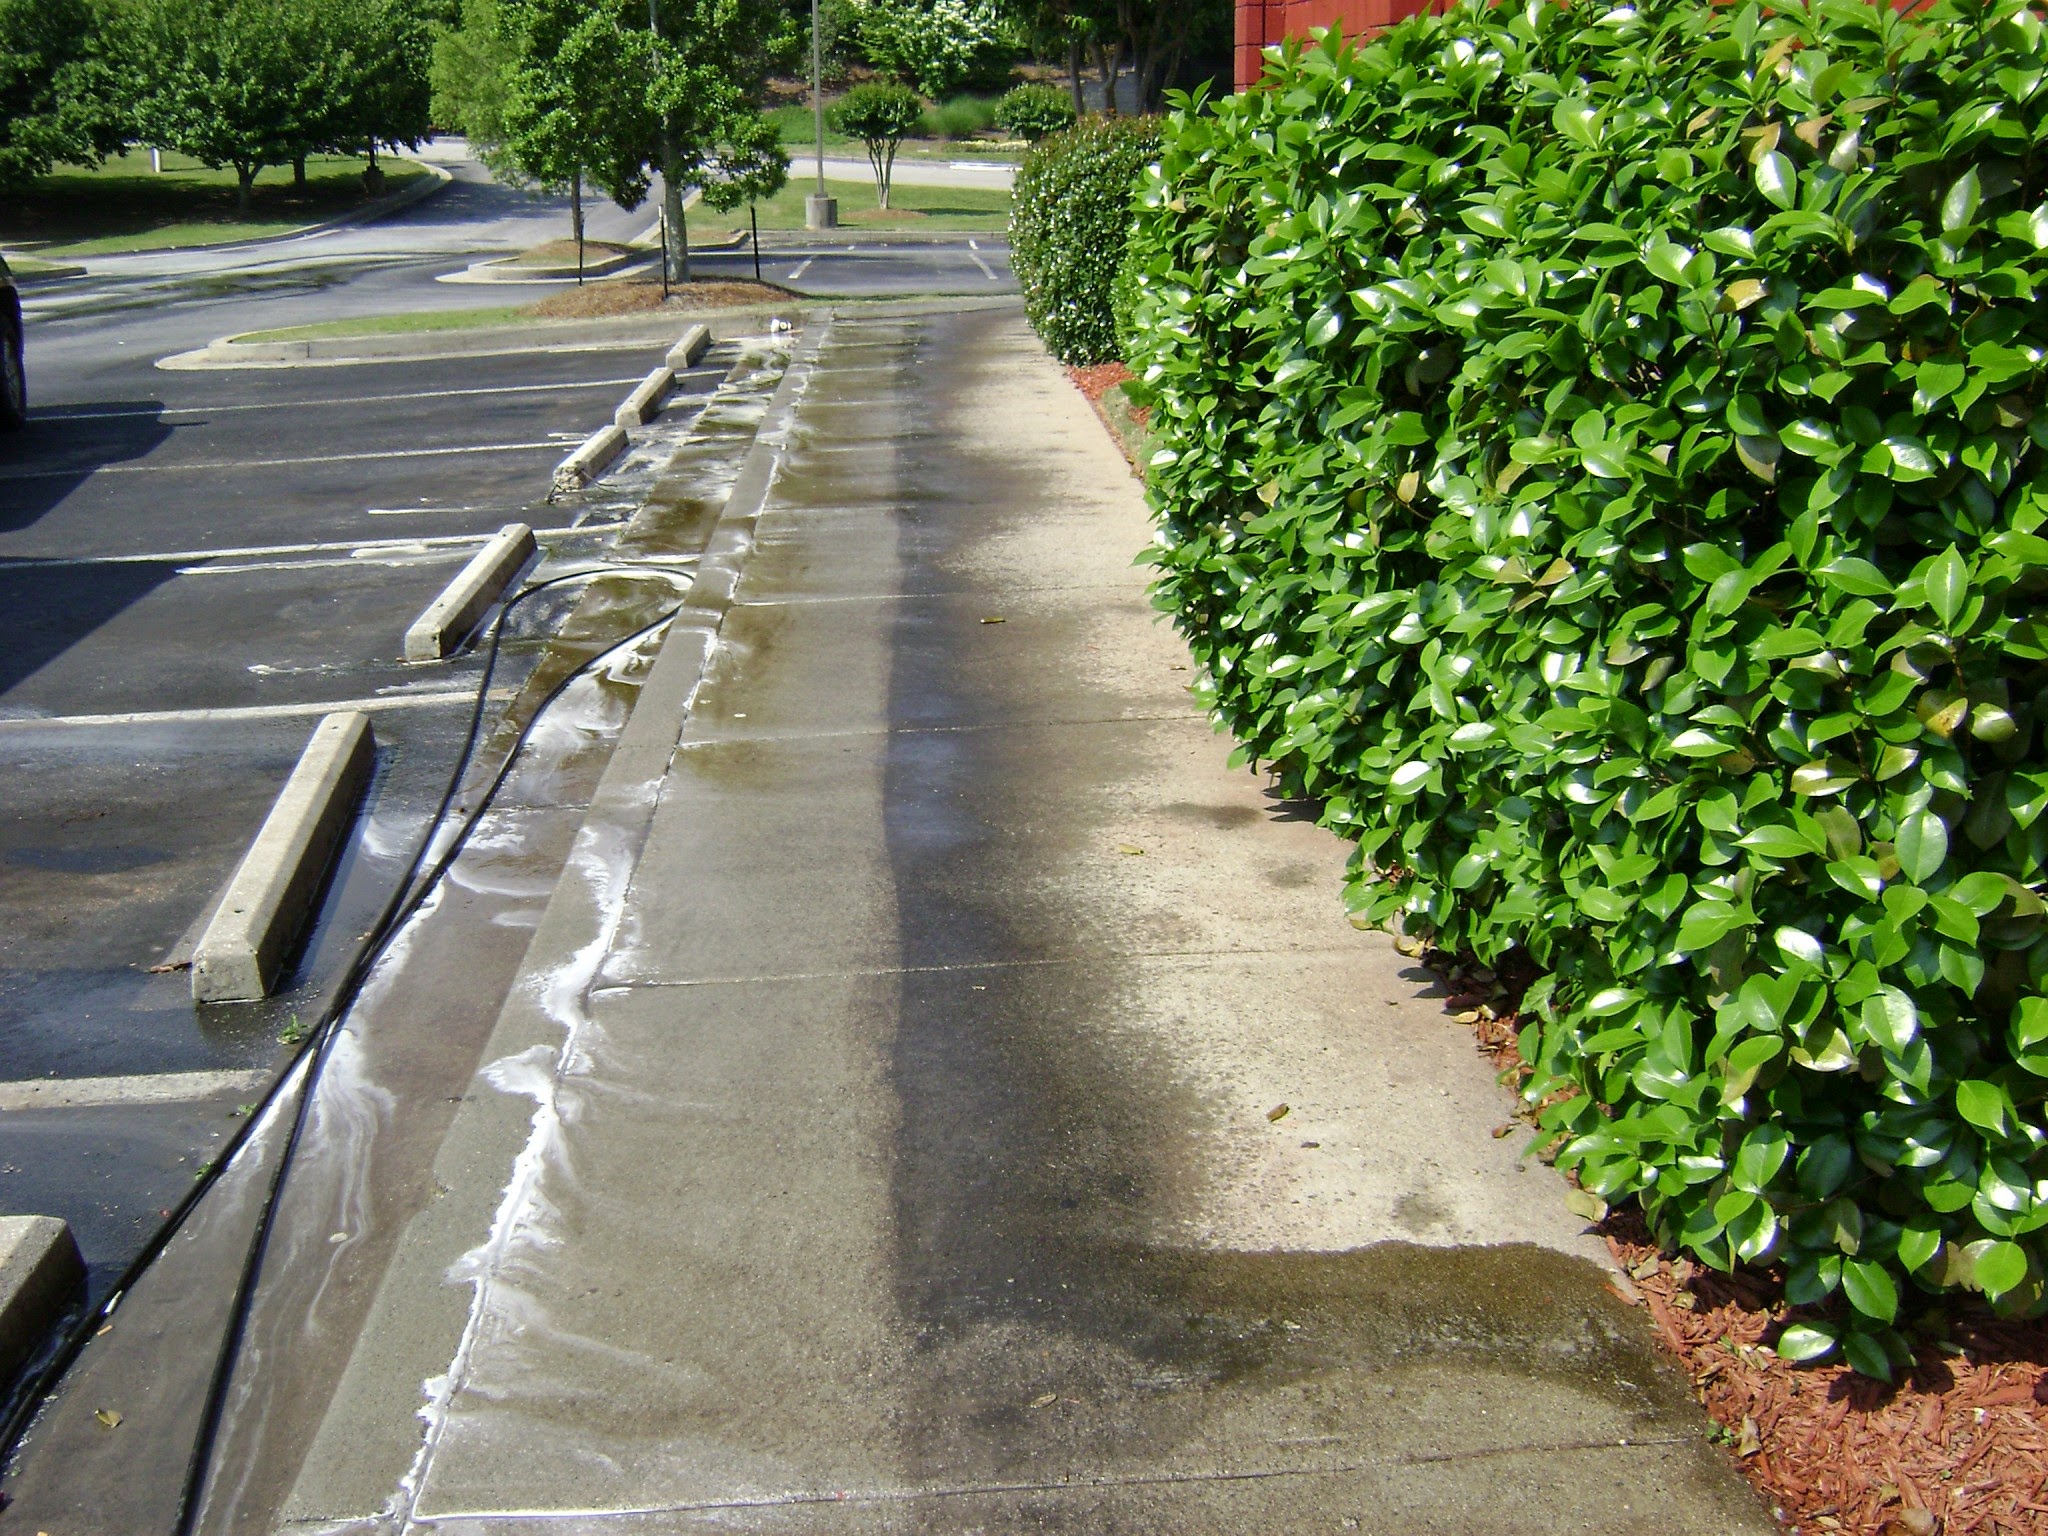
(299, 175)
(887, 169)
(1108, 79)
(245, 178)
(676, 258)
(1074, 74)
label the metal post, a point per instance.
(820, 211)
(754, 230)
(664, 255)
(818, 91)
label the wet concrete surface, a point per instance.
(877, 1137)
(400, 1065)
(181, 595)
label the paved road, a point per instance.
(193, 566)
(392, 265)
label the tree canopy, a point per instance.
(622, 91)
(252, 83)
(56, 98)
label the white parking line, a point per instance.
(369, 548)
(311, 458)
(402, 557)
(446, 698)
(62, 413)
(144, 1088)
(974, 253)
(801, 268)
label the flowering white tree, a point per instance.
(935, 44)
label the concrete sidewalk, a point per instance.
(880, 1136)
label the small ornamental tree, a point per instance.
(881, 117)
(1602, 458)
(1033, 111)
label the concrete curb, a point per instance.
(41, 1273)
(51, 274)
(773, 241)
(599, 451)
(280, 876)
(451, 616)
(507, 270)
(645, 402)
(694, 342)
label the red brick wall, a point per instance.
(1264, 22)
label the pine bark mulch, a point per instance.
(1958, 1446)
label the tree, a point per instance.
(630, 89)
(228, 82)
(880, 116)
(382, 91)
(470, 81)
(1155, 37)
(936, 45)
(57, 100)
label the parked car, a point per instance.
(13, 376)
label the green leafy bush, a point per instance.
(961, 117)
(1033, 111)
(1070, 215)
(1600, 454)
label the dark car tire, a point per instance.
(13, 379)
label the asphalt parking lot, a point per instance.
(195, 566)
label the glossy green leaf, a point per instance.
(1922, 845)
(1803, 1343)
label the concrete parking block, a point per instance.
(645, 402)
(598, 453)
(280, 876)
(40, 1276)
(694, 342)
(451, 616)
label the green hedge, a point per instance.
(1600, 456)
(1033, 111)
(1070, 215)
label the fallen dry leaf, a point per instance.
(1046, 1401)
(1277, 1112)
(993, 619)
(1130, 848)
(108, 1418)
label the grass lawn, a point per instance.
(398, 325)
(125, 206)
(626, 296)
(933, 208)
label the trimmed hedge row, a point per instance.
(1601, 456)
(1070, 215)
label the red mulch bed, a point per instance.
(1098, 380)
(1959, 1446)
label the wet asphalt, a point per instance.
(193, 567)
